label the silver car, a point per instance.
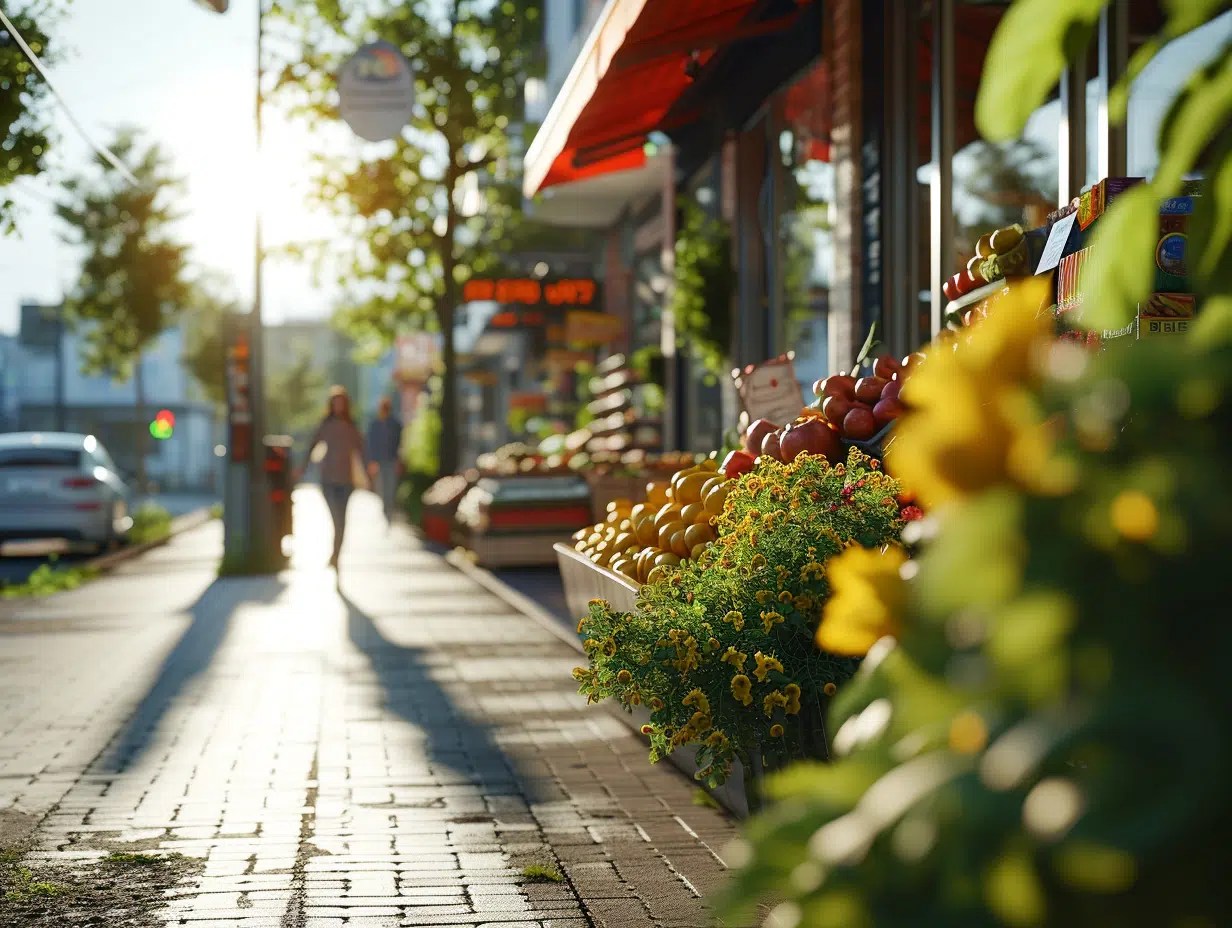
(62, 486)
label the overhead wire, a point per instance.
(102, 150)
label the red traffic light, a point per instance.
(166, 416)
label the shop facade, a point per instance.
(837, 140)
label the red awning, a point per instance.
(630, 73)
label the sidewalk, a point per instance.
(396, 754)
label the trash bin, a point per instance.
(279, 479)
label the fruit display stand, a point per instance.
(440, 503)
(515, 521)
(585, 580)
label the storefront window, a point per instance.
(996, 185)
(805, 223)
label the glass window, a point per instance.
(805, 224)
(1159, 83)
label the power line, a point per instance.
(102, 150)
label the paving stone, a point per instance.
(392, 755)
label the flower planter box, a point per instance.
(585, 580)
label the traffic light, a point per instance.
(163, 425)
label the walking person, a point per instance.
(385, 455)
(342, 463)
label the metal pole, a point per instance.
(60, 424)
(1072, 132)
(258, 498)
(1113, 61)
(942, 199)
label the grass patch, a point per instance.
(539, 873)
(216, 511)
(137, 860)
(49, 578)
(704, 799)
(151, 522)
(20, 884)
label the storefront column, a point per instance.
(1072, 132)
(942, 200)
(843, 48)
(1113, 154)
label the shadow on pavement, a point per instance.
(452, 739)
(210, 619)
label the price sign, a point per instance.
(770, 390)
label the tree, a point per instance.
(23, 101)
(205, 338)
(132, 284)
(295, 399)
(437, 205)
(1004, 181)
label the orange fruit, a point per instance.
(716, 497)
(698, 534)
(624, 542)
(679, 546)
(694, 512)
(696, 553)
(666, 558)
(656, 494)
(689, 489)
(645, 531)
(636, 513)
(669, 513)
(667, 530)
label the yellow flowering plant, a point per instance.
(1040, 733)
(722, 650)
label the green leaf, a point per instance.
(1199, 114)
(1121, 270)
(1029, 51)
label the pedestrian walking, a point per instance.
(342, 463)
(385, 455)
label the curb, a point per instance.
(730, 795)
(179, 525)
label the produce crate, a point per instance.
(497, 552)
(874, 447)
(585, 580)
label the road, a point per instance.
(404, 750)
(17, 567)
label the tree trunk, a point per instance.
(142, 425)
(445, 318)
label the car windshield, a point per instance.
(39, 457)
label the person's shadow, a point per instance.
(452, 740)
(210, 619)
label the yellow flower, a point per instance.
(972, 421)
(812, 571)
(866, 600)
(700, 721)
(764, 666)
(714, 644)
(781, 574)
(803, 603)
(601, 603)
(792, 692)
(609, 646)
(717, 740)
(1134, 515)
(735, 619)
(757, 561)
(774, 700)
(734, 657)
(764, 596)
(829, 689)
(786, 597)
(776, 731)
(698, 700)
(741, 688)
(769, 619)
(624, 677)
(656, 703)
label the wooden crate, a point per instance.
(585, 580)
(604, 488)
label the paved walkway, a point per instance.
(394, 754)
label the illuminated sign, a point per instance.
(587, 328)
(530, 292)
(163, 425)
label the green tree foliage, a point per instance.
(205, 338)
(437, 205)
(24, 99)
(1049, 741)
(295, 398)
(1001, 182)
(133, 280)
(701, 299)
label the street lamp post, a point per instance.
(258, 554)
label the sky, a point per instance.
(185, 76)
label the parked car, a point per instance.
(62, 486)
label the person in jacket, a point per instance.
(385, 455)
(344, 460)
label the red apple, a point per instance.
(868, 389)
(887, 410)
(819, 387)
(859, 424)
(737, 463)
(838, 385)
(835, 408)
(756, 434)
(770, 445)
(812, 436)
(886, 366)
(892, 390)
(950, 289)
